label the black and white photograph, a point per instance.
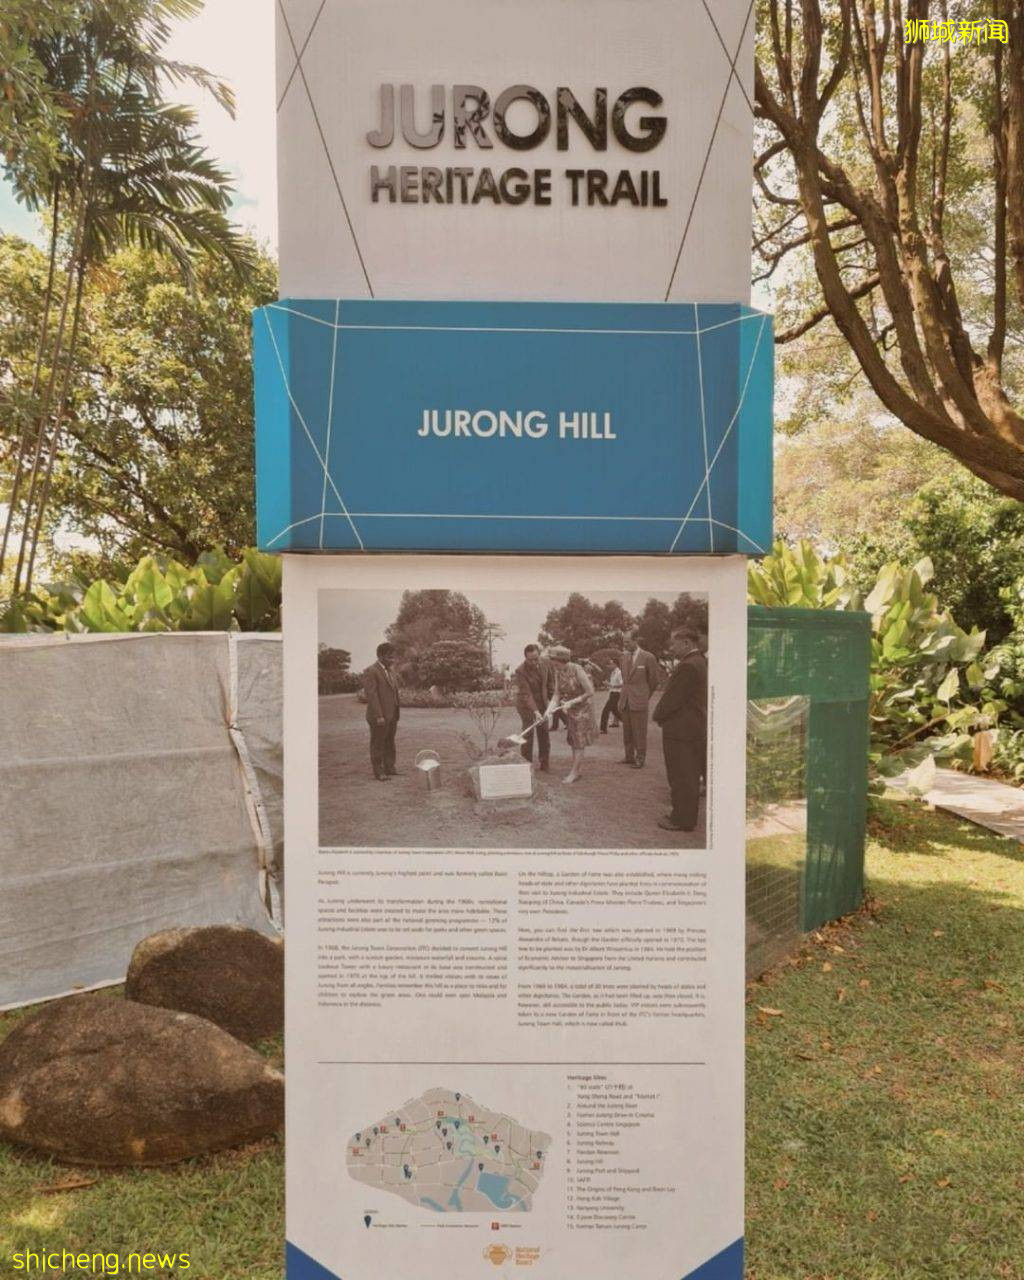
(512, 719)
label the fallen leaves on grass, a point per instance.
(941, 1022)
(69, 1184)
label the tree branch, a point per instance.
(823, 313)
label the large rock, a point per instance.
(232, 976)
(101, 1081)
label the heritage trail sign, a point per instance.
(515, 280)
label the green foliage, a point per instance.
(440, 638)
(598, 631)
(653, 629)
(421, 698)
(426, 616)
(584, 627)
(776, 753)
(974, 539)
(160, 594)
(452, 664)
(843, 475)
(930, 679)
(654, 626)
(334, 674)
(932, 683)
(128, 172)
(799, 577)
(881, 495)
(158, 430)
(31, 114)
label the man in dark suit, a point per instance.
(535, 687)
(682, 713)
(382, 712)
(641, 676)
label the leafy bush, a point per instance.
(452, 664)
(160, 594)
(932, 683)
(973, 536)
(417, 697)
(334, 674)
(437, 698)
(930, 680)
(340, 682)
(798, 577)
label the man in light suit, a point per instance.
(382, 712)
(641, 676)
(682, 713)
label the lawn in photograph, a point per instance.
(611, 806)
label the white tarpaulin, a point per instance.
(140, 789)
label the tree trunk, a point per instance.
(58, 423)
(925, 357)
(26, 426)
(58, 348)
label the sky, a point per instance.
(243, 54)
(357, 619)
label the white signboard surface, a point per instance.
(515, 1043)
(501, 781)
(584, 150)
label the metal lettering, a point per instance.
(388, 183)
(473, 121)
(522, 93)
(436, 131)
(519, 193)
(653, 127)
(385, 135)
(595, 131)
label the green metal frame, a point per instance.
(825, 656)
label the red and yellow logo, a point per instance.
(498, 1254)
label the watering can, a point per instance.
(428, 764)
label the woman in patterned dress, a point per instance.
(574, 687)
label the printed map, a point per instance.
(445, 1152)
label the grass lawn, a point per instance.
(885, 1087)
(886, 1073)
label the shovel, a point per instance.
(520, 738)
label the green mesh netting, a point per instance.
(824, 656)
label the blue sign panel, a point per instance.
(562, 427)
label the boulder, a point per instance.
(229, 975)
(101, 1081)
